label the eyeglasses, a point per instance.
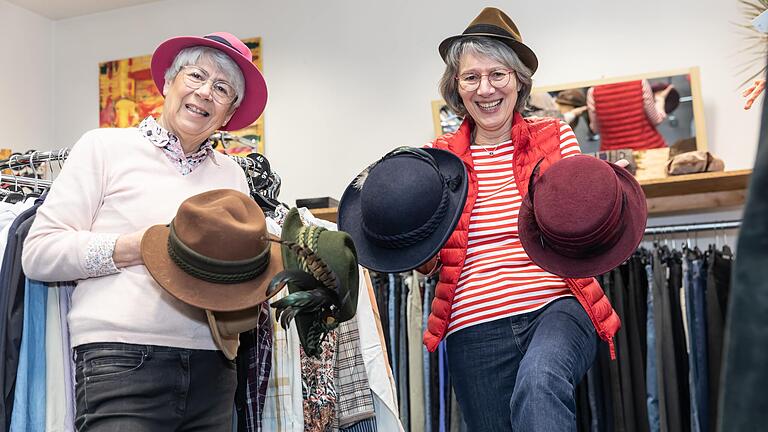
(222, 91)
(470, 81)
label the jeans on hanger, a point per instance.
(651, 381)
(519, 373)
(144, 388)
(699, 327)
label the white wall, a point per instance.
(26, 79)
(350, 79)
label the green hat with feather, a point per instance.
(322, 276)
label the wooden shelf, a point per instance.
(329, 214)
(696, 191)
(670, 194)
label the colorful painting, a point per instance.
(127, 95)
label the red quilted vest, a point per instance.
(620, 112)
(534, 139)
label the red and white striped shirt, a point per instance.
(498, 279)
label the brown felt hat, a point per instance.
(215, 253)
(494, 23)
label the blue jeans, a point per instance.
(143, 388)
(519, 373)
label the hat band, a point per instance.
(220, 39)
(214, 270)
(490, 29)
(599, 234)
(402, 240)
(595, 247)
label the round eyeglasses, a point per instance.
(470, 81)
(195, 77)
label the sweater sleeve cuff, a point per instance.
(98, 257)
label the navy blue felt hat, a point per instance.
(401, 210)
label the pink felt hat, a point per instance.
(255, 96)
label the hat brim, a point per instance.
(197, 292)
(255, 95)
(526, 54)
(386, 260)
(227, 344)
(635, 218)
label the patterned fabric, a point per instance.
(318, 389)
(354, 399)
(367, 425)
(259, 368)
(171, 146)
(283, 406)
(98, 259)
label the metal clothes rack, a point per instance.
(268, 183)
(684, 228)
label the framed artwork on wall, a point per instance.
(127, 95)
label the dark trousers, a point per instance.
(144, 388)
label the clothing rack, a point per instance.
(25, 181)
(33, 159)
(683, 228)
(255, 168)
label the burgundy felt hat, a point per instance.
(583, 217)
(255, 95)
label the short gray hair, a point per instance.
(487, 47)
(230, 69)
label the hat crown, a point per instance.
(231, 41)
(578, 201)
(397, 186)
(492, 16)
(222, 224)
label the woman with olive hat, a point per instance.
(519, 338)
(146, 361)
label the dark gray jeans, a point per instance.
(123, 387)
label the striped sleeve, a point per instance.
(568, 144)
(649, 105)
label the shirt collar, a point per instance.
(160, 137)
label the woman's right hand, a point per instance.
(128, 249)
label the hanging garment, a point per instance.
(674, 284)
(55, 400)
(651, 372)
(12, 296)
(65, 299)
(283, 406)
(256, 351)
(415, 355)
(354, 399)
(29, 397)
(718, 286)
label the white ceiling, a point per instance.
(61, 9)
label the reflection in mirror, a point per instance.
(640, 117)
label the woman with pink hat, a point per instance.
(144, 360)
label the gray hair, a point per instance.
(487, 47)
(230, 69)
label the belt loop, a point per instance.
(148, 352)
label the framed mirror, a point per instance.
(642, 117)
